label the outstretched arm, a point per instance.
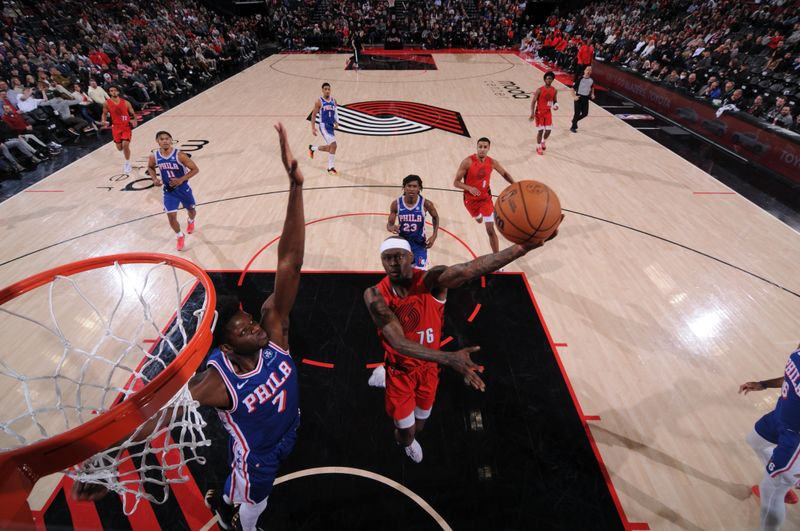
(456, 275)
(291, 249)
(104, 115)
(502, 171)
(760, 386)
(385, 319)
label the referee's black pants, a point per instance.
(581, 110)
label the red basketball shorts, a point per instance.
(544, 120)
(479, 206)
(120, 134)
(408, 390)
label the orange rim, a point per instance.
(81, 442)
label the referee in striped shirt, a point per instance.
(582, 90)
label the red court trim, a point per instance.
(474, 313)
(560, 345)
(84, 514)
(374, 365)
(187, 494)
(318, 363)
(591, 417)
(445, 341)
(41, 191)
(595, 449)
(149, 340)
(638, 525)
(714, 193)
(337, 216)
(38, 516)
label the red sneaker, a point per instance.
(539, 150)
(332, 171)
(790, 498)
(181, 242)
(544, 146)
(190, 227)
(310, 151)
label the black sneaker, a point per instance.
(573, 129)
(224, 512)
(237, 524)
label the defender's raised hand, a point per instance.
(289, 162)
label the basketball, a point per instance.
(527, 210)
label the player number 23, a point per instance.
(410, 227)
(425, 336)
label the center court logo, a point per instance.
(394, 118)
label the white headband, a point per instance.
(395, 243)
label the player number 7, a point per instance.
(280, 401)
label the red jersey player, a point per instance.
(122, 120)
(407, 306)
(475, 171)
(545, 100)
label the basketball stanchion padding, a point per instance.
(82, 409)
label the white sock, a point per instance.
(191, 220)
(249, 513)
(331, 156)
(179, 234)
(314, 148)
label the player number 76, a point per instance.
(426, 336)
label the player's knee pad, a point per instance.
(422, 414)
(405, 422)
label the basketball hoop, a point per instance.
(102, 297)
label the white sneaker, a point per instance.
(414, 451)
(126, 168)
(378, 378)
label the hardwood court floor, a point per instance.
(666, 299)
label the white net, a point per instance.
(77, 346)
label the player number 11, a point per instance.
(426, 336)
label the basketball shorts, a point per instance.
(544, 120)
(181, 195)
(420, 254)
(253, 475)
(407, 389)
(480, 206)
(120, 134)
(786, 455)
(328, 133)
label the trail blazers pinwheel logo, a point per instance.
(392, 118)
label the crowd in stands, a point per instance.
(739, 56)
(59, 57)
(434, 24)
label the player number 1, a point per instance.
(426, 336)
